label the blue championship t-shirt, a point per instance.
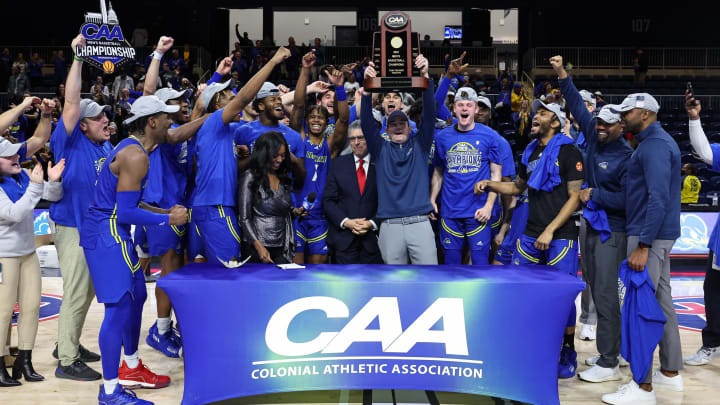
(247, 135)
(465, 158)
(83, 160)
(167, 177)
(317, 162)
(216, 177)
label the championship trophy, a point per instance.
(395, 48)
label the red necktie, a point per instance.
(361, 176)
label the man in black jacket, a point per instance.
(350, 203)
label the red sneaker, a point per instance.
(141, 377)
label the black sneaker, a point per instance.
(85, 355)
(77, 371)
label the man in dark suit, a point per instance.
(350, 201)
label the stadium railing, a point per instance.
(622, 58)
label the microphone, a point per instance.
(309, 201)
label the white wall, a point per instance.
(430, 22)
(507, 33)
(320, 24)
(250, 20)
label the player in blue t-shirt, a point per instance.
(81, 138)
(214, 198)
(268, 103)
(311, 228)
(465, 154)
(113, 265)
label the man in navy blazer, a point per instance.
(350, 202)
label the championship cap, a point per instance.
(610, 113)
(8, 148)
(149, 105)
(210, 91)
(588, 98)
(552, 107)
(639, 100)
(466, 93)
(484, 101)
(268, 89)
(165, 94)
(89, 108)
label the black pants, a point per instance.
(276, 254)
(356, 253)
(711, 288)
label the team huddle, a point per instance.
(261, 174)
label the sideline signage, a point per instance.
(106, 47)
(259, 329)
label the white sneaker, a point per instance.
(591, 361)
(630, 394)
(660, 380)
(703, 356)
(597, 374)
(587, 332)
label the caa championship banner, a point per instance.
(258, 329)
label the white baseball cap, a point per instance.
(552, 107)
(167, 93)
(8, 148)
(484, 101)
(210, 91)
(268, 89)
(466, 93)
(89, 108)
(610, 113)
(149, 105)
(588, 97)
(639, 100)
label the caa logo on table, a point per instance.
(690, 313)
(49, 308)
(390, 334)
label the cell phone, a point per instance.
(692, 93)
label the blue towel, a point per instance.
(546, 175)
(597, 218)
(642, 320)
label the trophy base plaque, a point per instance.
(385, 84)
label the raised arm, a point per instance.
(338, 139)
(247, 93)
(427, 132)
(298, 107)
(222, 70)
(367, 122)
(574, 101)
(44, 128)
(185, 131)
(71, 109)
(153, 72)
(698, 140)
(11, 116)
(455, 67)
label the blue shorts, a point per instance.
(161, 238)
(112, 269)
(193, 241)
(218, 227)
(311, 236)
(506, 250)
(496, 219)
(453, 233)
(562, 254)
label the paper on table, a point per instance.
(290, 266)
